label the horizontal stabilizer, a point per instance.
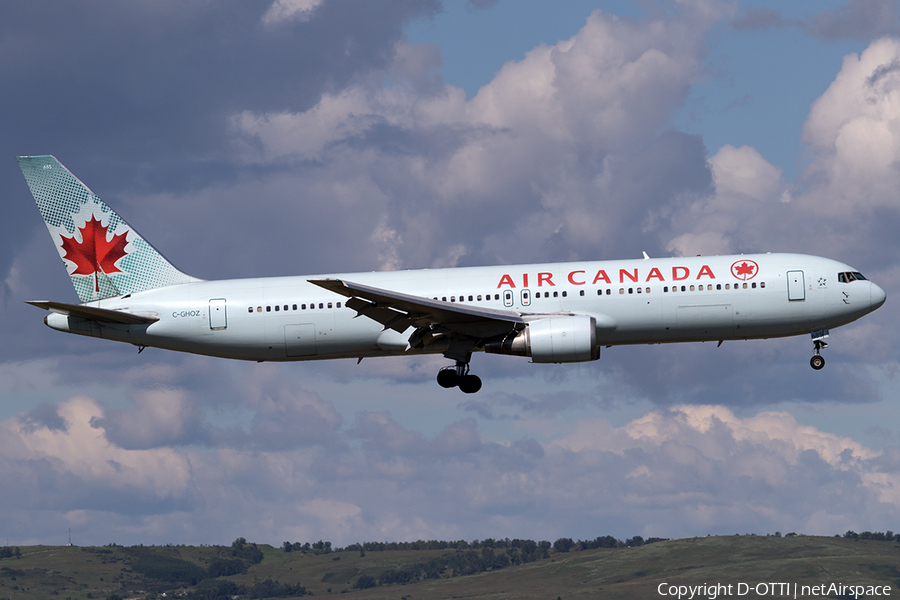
(94, 314)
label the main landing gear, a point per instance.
(458, 376)
(818, 361)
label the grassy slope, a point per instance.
(622, 573)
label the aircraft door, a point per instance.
(300, 340)
(217, 317)
(526, 297)
(796, 285)
(507, 298)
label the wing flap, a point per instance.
(390, 318)
(93, 313)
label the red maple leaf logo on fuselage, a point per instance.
(744, 269)
(94, 254)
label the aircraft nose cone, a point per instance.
(876, 296)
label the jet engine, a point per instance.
(551, 340)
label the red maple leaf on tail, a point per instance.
(94, 254)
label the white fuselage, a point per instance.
(633, 302)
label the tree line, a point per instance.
(887, 536)
(524, 546)
(467, 558)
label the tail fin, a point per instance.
(104, 256)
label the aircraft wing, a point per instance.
(93, 313)
(400, 311)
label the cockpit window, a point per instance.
(848, 276)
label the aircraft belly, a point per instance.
(707, 321)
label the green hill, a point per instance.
(263, 571)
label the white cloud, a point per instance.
(542, 152)
(81, 449)
(288, 10)
(747, 193)
(159, 417)
(684, 471)
(743, 172)
(853, 129)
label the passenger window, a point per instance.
(268, 309)
(338, 304)
(727, 286)
(683, 289)
(320, 305)
(621, 291)
(745, 286)
(496, 296)
(276, 308)
(581, 293)
(294, 307)
(639, 290)
(630, 290)
(608, 292)
(555, 294)
(479, 297)
(718, 286)
(259, 309)
(753, 285)
(444, 299)
(564, 294)
(665, 288)
(762, 284)
(250, 310)
(470, 298)
(647, 290)
(302, 307)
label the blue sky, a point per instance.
(302, 137)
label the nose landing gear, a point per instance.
(458, 376)
(818, 361)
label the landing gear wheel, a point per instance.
(469, 384)
(458, 376)
(447, 377)
(817, 362)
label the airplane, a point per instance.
(552, 313)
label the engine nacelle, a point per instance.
(552, 340)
